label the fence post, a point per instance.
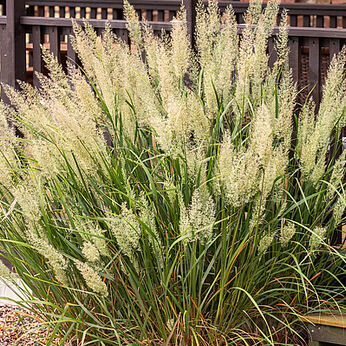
(190, 7)
(13, 51)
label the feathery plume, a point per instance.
(287, 232)
(92, 279)
(197, 221)
(265, 243)
(317, 237)
(127, 231)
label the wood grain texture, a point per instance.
(13, 51)
(333, 320)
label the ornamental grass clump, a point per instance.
(164, 194)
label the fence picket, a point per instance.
(294, 57)
(149, 14)
(54, 41)
(71, 54)
(314, 68)
(62, 12)
(306, 21)
(320, 21)
(51, 11)
(82, 12)
(333, 21)
(36, 54)
(30, 11)
(160, 16)
(41, 11)
(72, 11)
(293, 20)
(13, 58)
(190, 6)
(104, 13)
(334, 47)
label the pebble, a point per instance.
(20, 327)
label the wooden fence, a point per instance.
(316, 32)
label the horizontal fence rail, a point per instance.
(306, 15)
(316, 33)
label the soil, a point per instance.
(19, 326)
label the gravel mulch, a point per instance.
(19, 327)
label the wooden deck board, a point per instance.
(336, 320)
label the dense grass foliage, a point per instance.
(168, 195)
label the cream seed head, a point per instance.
(170, 188)
(8, 161)
(184, 222)
(133, 24)
(55, 259)
(339, 208)
(148, 217)
(313, 134)
(4, 272)
(181, 52)
(260, 58)
(282, 43)
(217, 48)
(317, 237)
(195, 160)
(265, 243)
(90, 252)
(127, 232)
(262, 136)
(61, 123)
(98, 239)
(197, 220)
(240, 172)
(92, 278)
(337, 175)
(29, 197)
(151, 45)
(257, 211)
(287, 232)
